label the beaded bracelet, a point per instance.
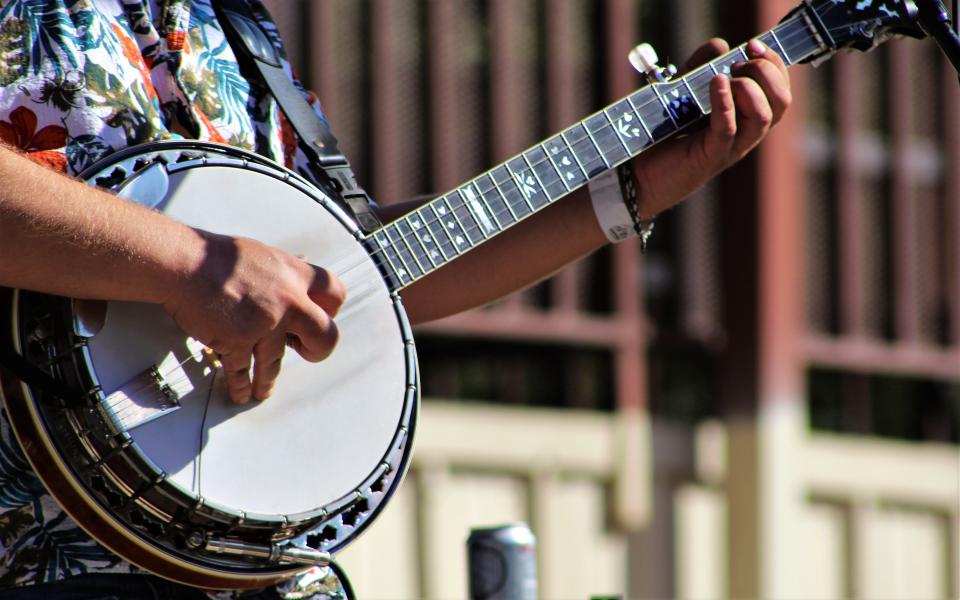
(628, 187)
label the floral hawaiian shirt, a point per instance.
(79, 80)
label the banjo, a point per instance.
(128, 425)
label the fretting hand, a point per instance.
(745, 106)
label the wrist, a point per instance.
(616, 205)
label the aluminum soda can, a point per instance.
(502, 563)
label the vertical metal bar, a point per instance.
(505, 130)
(951, 188)
(621, 32)
(903, 213)
(697, 229)
(692, 24)
(953, 520)
(505, 138)
(443, 116)
(385, 127)
(857, 413)
(761, 380)
(560, 102)
(431, 481)
(849, 194)
(560, 82)
(630, 368)
(782, 224)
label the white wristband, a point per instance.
(608, 205)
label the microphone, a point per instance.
(934, 19)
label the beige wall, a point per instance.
(474, 466)
(870, 519)
(876, 520)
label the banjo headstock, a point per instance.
(861, 24)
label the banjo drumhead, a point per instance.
(328, 425)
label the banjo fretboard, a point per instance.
(454, 223)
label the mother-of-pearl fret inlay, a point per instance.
(456, 231)
(526, 183)
(441, 230)
(479, 211)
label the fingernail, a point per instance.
(756, 48)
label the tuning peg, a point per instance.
(644, 59)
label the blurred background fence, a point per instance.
(766, 404)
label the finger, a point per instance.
(327, 291)
(722, 132)
(314, 334)
(754, 114)
(775, 91)
(709, 50)
(267, 356)
(771, 81)
(236, 372)
(757, 49)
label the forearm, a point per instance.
(61, 236)
(520, 256)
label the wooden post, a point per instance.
(761, 381)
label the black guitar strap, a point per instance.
(330, 167)
(31, 374)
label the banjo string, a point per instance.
(363, 295)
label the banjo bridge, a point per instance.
(149, 395)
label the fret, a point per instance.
(632, 100)
(566, 162)
(629, 127)
(495, 199)
(653, 113)
(418, 222)
(700, 107)
(383, 263)
(611, 147)
(546, 172)
(468, 221)
(507, 185)
(777, 46)
(684, 110)
(416, 245)
(665, 106)
(452, 223)
(440, 234)
(725, 62)
(699, 83)
(526, 182)
(404, 251)
(585, 148)
(543, 177)
(809, 44)
(393, 258)
(482, 212)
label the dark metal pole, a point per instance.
(935, 20)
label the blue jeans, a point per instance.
(111, 586)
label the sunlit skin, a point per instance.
(248, 301)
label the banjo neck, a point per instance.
(454, 223)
